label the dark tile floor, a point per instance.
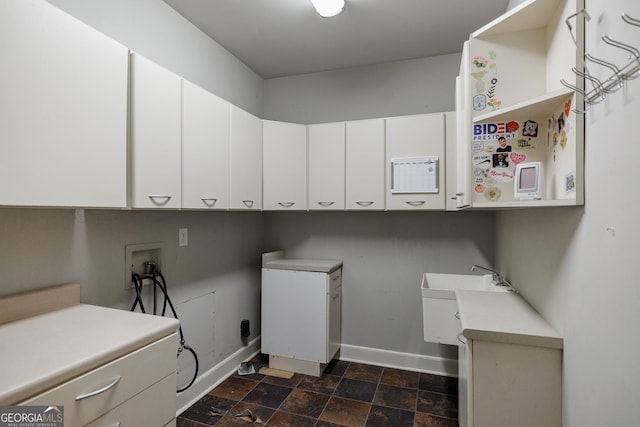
(347, 394)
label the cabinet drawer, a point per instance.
(156, 406)
(137, 371)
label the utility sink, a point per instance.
(445, 285)
(439, 306)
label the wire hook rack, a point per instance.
(615, 81)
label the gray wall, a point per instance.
(425, 85)
(579, 266)
(153, 29)
(385, 255)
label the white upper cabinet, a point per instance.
(326, 166)
(415, 156)
(517, 110)
(245, 161)
(63, 110)
(365, 164)
(284, 166)
(205, 149)
(155, 136)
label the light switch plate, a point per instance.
(183, 236)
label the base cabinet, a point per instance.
(301, 318)
(506, 385)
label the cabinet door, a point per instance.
(245, 160)
(284, 166)
(294, 314)
(155, 135)
(205, 149)
(63, 110)
(410, 137)
(326, 166)
(365, 164)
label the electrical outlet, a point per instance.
(183, 237)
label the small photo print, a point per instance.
(500, 160)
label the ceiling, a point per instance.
(278, 38)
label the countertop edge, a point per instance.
(162, 328)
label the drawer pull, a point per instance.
(416, 203)
(325, 204)
(248, 203)
(286, 204)
(159, 199)
(209, 201)
(364, 204)
(99, 391)
(457, 315)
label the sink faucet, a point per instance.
(497, 280)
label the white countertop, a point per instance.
(504, 317)
(46, 350)
(322, 266)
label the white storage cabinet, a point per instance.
(205, 149)
(326, 166)
(63, 110)
(155, 135)
(301, 313)
(284, 166)
(365, 165)
(416, 136)
(245, 161)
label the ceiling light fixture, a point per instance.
(328, 8)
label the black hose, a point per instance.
(162, 284)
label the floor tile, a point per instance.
(396, 397)
(438, 384)
(268, 395)
(400, 378)
(234, 388)
(184, 422)
(442, 405)
(357, 390)
(380, 416)
(286, 419)
(346, 412)
(326, 384)
(359, 371)
(305, 403)
(426, 420)
(336, 367)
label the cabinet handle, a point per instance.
(100, 390)
(416, 203)
(460, 339)
(248, 203)
(459, 194)
(286, 204)
(155, 199)
(364, 204)
(209, 201)
(335, 296)
(457, 315)
(325, 204)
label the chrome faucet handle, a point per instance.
(497, 278)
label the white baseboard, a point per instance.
(214, 376)
(395, 359)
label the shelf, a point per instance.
(528, 15)
(514, 204)
(535, 107)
